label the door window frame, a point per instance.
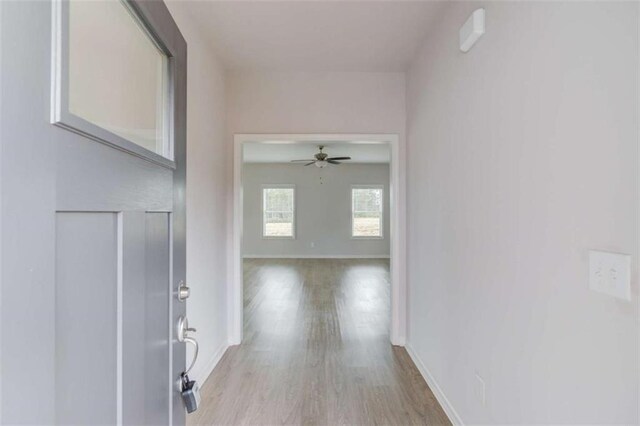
(62, 117)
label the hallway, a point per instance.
(316, 351)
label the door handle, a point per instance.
(182, 331)
(194, 342)
(189, 389)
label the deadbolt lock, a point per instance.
(183, 291)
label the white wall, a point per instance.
(208, 159)
(327, 102)
(323, 209)
(522, 155)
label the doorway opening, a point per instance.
(396, 217)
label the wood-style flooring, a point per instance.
(316, 351)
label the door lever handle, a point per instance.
(183, 329)
(194, 342)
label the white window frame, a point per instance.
(381, 236)
(60, 113)
(293, 218)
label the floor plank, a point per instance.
(316, 351)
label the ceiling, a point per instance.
(306, 35)
(285, 152)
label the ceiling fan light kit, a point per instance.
(322, 160)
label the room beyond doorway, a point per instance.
(396, 190)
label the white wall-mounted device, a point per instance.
(610, 273)
(472, 30)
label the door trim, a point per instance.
(397, 186)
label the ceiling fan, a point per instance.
(322, 160)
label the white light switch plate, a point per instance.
(610, 273)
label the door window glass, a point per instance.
(117, 74)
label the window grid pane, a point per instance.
(278, 212)
(367, 212)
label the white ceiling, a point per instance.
(306, 35)
(285, 152)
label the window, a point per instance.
(278, 211)
(113, 78)
(366, 212)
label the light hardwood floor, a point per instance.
(316, 351)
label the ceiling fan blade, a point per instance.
(300, 161)
(339, 158)
(308, 164)
(333, 162)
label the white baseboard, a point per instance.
(202, 374)
(316, 256)
(399, 341)
(435, 388)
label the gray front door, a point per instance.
(92, 233)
